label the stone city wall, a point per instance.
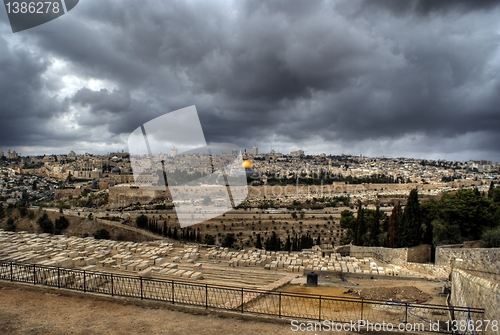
(122, 196)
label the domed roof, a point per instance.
(247, 164)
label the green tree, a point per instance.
(102, 234)
(141, 221)
(496, 195)
(273, 243)
(258, 243)
(288, 244)
(60, 224)
(410, 230)
(209, 239)
(348, 221)
(360, 227)
(22, 207)
(471, 212)
(490, 190)
(229, 240)
(45, 223)
(429, 210)
(393, 227)
(443, 233)
(491, 238)
(11, 225)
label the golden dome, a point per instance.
(247, 164)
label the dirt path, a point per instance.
(25, 310)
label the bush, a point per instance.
(491, 238)
(45, 223)
(102, 234)
(209, 239)
(11, 226)
(141, 221)
(60, 224)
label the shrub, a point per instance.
(60, 224)
(45, 223)
(102, 234)
(491, 238)
(141, 221)
(11, 226)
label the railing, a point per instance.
(323, 309)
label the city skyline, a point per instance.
(415, 80)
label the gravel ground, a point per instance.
(26, 310)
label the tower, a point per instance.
(255, 151)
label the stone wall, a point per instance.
(470, 290)
(479, 259)
(429, 269)
(419, 254)
(394, 256)
(61, 193)
(413, 259)
(121, 196)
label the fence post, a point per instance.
(242, 300)
(58, 278)
(173, 295)
(319, 309)
(362, 305)
(34, 274)
(406, 313)
(279, 305)
(141, 286)
(112, 289)
(206, 296)
(84, 281)
(11, 272)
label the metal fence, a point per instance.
(321, 309)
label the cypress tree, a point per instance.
(490, 190)
(258, 244)
(360, 225)
(288, 244)
(410, 232)
(375, 228)
(394, 222)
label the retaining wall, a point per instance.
(473, 291)
(484, 259)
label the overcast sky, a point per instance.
(376, 77)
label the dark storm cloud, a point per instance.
(350, 72)
(24, 106)
(427, 6)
